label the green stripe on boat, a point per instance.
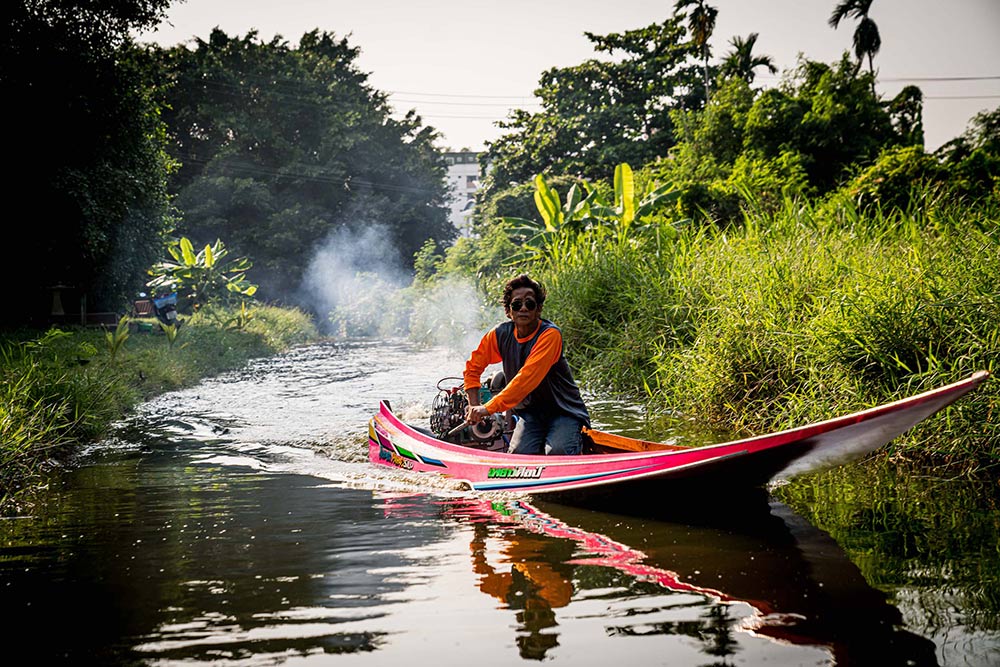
(405, 452)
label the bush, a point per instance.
(897, 179)
(766, 185)
(61, 389)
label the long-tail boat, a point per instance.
(615, 465)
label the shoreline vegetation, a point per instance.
(64, 387)
(802, 312)
(799, 311)
(796, 316)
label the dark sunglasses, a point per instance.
(516, 304)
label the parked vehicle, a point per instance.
(163, 308)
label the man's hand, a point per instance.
(473, 396)
(476, 413)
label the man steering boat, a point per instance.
(540, 388)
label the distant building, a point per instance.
(463, 181)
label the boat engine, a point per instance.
(448, 415)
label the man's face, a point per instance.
(523, 316)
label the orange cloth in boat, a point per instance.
(544, 355)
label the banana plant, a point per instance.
(170, 331)
(586, 208)
(115, 340)
(202, 277)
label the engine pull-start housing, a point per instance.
(448, 414)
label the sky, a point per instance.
(463, 65)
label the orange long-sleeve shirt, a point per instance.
(544, 354)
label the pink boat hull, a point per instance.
(750, 462)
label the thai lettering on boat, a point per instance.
(520, 472)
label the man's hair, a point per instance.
(520, 281)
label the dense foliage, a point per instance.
(805, 137)
(602, 112)
(802, 311)
(282, 146)
(702, 126)
(89, 173)
(202, 277)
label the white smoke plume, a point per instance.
(452, 314)
(349, 276)
(357, 284)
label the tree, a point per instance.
(742, 63)
(713, 137)
(599, 114)
(92, 171)
(283, 145)
(827, 114)
(973, 158)
(867, 40)
(806, 136)
(906, 113)
(701, 23)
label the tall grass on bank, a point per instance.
(51, 397)
(794, 316)
(59, 389)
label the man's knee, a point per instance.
(527, 446)
(565, 437)
(528, 438)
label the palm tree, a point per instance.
(867, 41)
(701, 23)
(741, 61)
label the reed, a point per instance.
(802, 312)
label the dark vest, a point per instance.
(557, 392)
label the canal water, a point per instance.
(239, 523)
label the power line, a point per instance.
(492, 97)
(273, 88)
(897, 79)
(431, 115)
(462, 104)
(328, 178)
(962, 97)
(942, 78)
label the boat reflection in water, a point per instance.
(764, 571)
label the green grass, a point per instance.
(59, 389)
(794, 316)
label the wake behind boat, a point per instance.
(614, 464)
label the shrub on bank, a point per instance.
(59, 389)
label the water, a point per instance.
(239, 523)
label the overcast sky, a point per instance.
(464, 64)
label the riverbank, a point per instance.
(802, 311)
(64, 387)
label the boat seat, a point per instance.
(599, 442)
